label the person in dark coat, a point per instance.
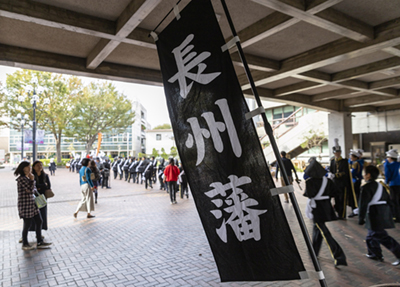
(140, 169)
(115, 167)
(78, 165)
(161, 169)
(121, 168)
(105, 173)
(356, 176)
(42, 184)
(148, 173)
(339, 172)
(96, 180)
(376, 214)
(132, 170)
(52, 167)
(289, 167)
(320, 190)
(125, 167)
(183, 182)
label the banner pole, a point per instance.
(269, 131)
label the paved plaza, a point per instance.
(138, 239)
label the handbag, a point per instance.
(48, 193)
(92, 176)
(40, 201)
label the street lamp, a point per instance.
(34, 99)
(22, 119)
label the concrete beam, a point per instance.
(51, 62)
(129, 19)
(328, 19)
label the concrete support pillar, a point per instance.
(339, 126)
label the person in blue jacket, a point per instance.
(87, 187)
(392, 178)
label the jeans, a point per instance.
(27, 223)
(172, 187)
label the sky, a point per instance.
(151, 97)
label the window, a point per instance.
(158, 137)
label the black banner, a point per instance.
(221, 153)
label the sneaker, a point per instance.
(374, 257)
(43, 245)
(90, 216)
(76, 214)
(397, 262)
(27, 247)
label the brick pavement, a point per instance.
(138, 239)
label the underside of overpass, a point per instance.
(332, 55)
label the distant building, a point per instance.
(131, 142)
(158, 139)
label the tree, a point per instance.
(163, 127)
(163, 153)
(313, 138)
(155, 153)
(62, 92)
(100, 109)
(173, 152)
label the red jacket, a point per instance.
(171, 173)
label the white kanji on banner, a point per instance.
(189, 62)
(214, 130)
(244, 221)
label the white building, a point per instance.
(158, 139)
(139, 128)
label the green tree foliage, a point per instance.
(163, 127)
(62, 92)
(173, 152)
(100, 109)
(155, 153)
(163, 153)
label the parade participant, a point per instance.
(287, 163)
(339, 172)
(78, 165)
(356, 176)
(171, 173)
(375, 212)
(183, 182)
(87, 187)
(132, 170)
(161, 168)
(148, 172)
(52, 167)
(105, 173)
(115, 167)
(392, 177)
(27, 208)
(126, 167)
(320, 190)
(120, 168)
(154, 174)
(140, 169)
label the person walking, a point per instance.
(27, 208)
(148, 173)
(96, 180)
(87, 187)
(115, 166)
(161, 168)
(320, 190)
(356, 177)
(184, 183)
(52, 167)
(289, 167)
(171, 173)
(375, 213)
(392, 178)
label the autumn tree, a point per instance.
(100, 109)
(62, 93)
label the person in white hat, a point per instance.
(392, 178)
(339, 172)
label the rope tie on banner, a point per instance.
(281, 190)
(316, 275)
(176, 12)
(231, 43)
(255, 112)
(154, 35)
(166, 18)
